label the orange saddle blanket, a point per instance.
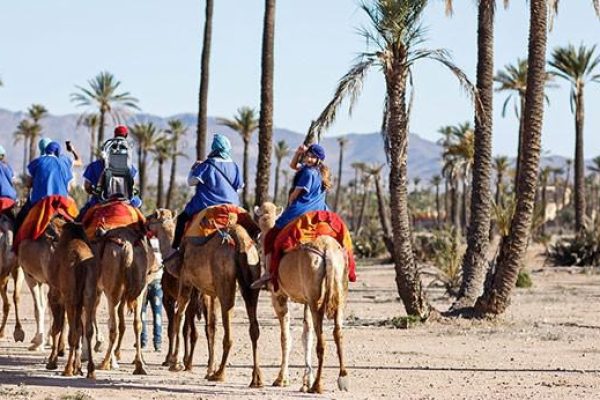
(306, 229)
(6, 204)
(111, 215)
(212, 219)
(41, 214)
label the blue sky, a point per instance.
(153, 47)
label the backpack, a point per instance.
(116, 180)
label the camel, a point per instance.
(214, 268)
(316, 275)
(8, 268)
(162, 225)
(123, 257)
(72, 288)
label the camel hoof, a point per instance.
(304, 389)
(118, 355)
(165, 363)
(91, 375)
(316, 389)
(344, 383)
(218, 377)
(67, 372)
(35, 347)
(99, 347)
(140, 370)
(105, 366)
(2, 334)
(51, 365)
(176, 367)
(19, 334)
(189, 368)
(282, 382)
(61, 353)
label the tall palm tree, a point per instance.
(436, 181)
(103, 94)
(91, 122)
(358, 167)
(544, 179)
(146, 135)
(342, 141)
(394, 29)
(265, 129)
(577, 66)
(36, 112)
(281, 150)
(496, 296)
(176, 129)
(374, 171)
(244, 123)
(24, 133)
(501, 165)
(162, 151)
(201, 132)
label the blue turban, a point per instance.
(221, 147)
(43, 143)
(53, 148)
(318, 151)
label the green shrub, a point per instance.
(524, 280)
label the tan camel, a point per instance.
(162, 224)
(74, 276)
(214, 268)
(316, 275)
(9, 268)
(124, 257)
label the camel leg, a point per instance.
(62, 340)
(137, 329)
(5, 304)
(121, 314)
(307, 342)
(343, 383)
(169, 305)
(74, 320)
(226, 311)
(251, 302)
(90, 304)
(109, 360)
(317, 315)
(18, 277)
(280, 304)
(37, 343)
(210, 328)
(58, 321)
(183, 300)
(190, 335)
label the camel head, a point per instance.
(162, 225)
(267, 214)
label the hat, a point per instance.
(121, 131)
(53, 148)
(221, 146)
(2, 151)
(317, 150)
(43, 143)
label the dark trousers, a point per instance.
(154, 296)
(182, 220)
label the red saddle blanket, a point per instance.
(306, 229)
(41, 214)
(111, 215)
(211, 219)
(6, 204)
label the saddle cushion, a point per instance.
(304, 230)
(6, 204)
(41, 214)
(212, 219)
(112, 215)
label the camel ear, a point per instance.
(278, 211)
(257, 211)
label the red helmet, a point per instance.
(121, 131)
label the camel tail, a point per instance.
(332, 294)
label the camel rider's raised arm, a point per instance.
(76, 159)
(295, 162)
(192, 179)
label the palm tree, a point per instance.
(244, 123)
(91, 122)
(375, 172)
(568, 163)
(544, 179)
(265, 129)
(502, 279)
(577, 66)
(556, 173)
(342, 141)
(25, 131)
(162, 151)
(437, 181)
(501, 165)
(36, 112)
(281, 150)
(176, 129)
(103, 95)
(358, 167)
(394, 28)
(204, 74)
(146, 135)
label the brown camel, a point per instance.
(162, 224)
(316, 275)
(214, 268)
(8, 268)
(73, 279)
(124, 257)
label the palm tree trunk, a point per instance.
(566, 187)
(408, 279)
(92, 141)
(363, 205)
(204, 75)
(142, 168)
(447, 207)
(32, 148)
(159, 189)
(383, 218)
(339, 180)
(474, 261)
(496, 296)
(25, 161)
(173, 176)
(579, 162)
(464, 204)
(246, 172)
(265, 121)
(276, 191)
(520, 139)
(544, 206)
(101, 128)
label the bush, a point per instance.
(447, 255)
(524, 279)
(368, 243)
(581, 250)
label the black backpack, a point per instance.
(116, 181)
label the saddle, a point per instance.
(110, 215)
(217, 219)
